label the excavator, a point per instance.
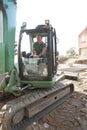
(31, 87)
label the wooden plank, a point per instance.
(70, 75)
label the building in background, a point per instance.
(82, 43)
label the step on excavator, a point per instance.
(30, 88)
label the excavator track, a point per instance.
(20, 112)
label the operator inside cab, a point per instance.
(39, 48)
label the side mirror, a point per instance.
(24, 24)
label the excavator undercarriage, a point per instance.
(20, 112)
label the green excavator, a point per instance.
(29, 88)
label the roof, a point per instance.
(84, 30)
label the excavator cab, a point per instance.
(38, 72)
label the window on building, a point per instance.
(83, 38)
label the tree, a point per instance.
(71, 51)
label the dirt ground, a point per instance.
(72, 114)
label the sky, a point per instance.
(68, 17)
